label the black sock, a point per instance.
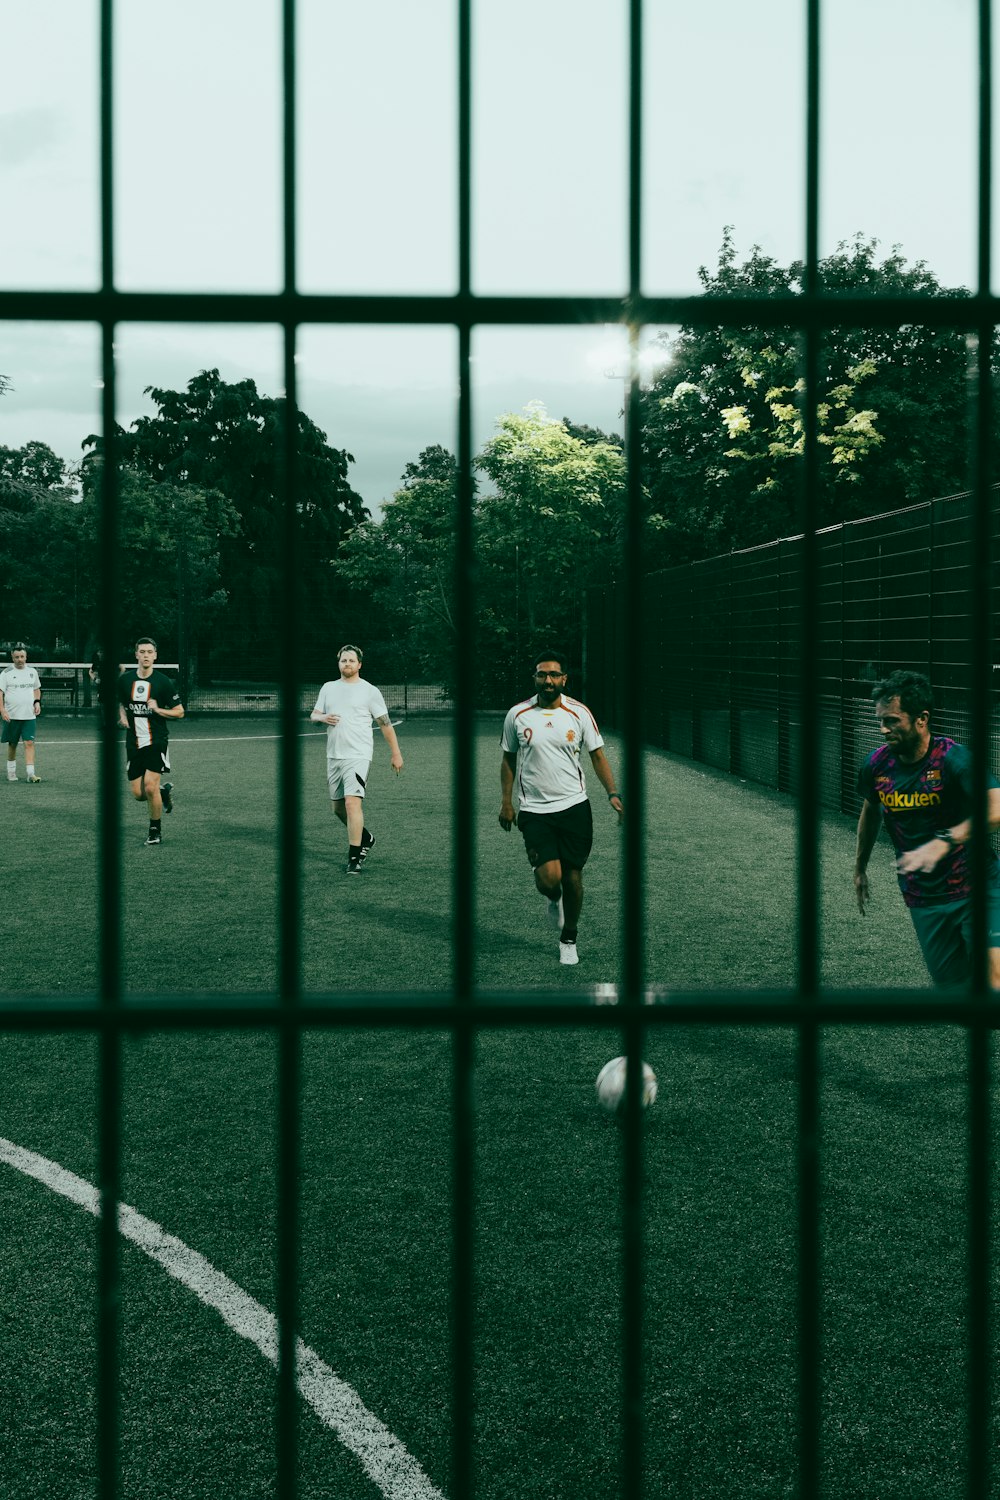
(154, 825)
(568, 935)
(366, 838)
(354, 851)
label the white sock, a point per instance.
(11, 771)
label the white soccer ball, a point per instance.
(611, 1085)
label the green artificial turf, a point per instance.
(200, 915)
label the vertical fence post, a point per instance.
(289, 971)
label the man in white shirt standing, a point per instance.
(20, 705)
(349, 707)
(542, 742)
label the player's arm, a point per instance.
(508, 765)
(177, 712)
(606, 777)
(930, 854)
(38, 694)
(389, 734)
(3, 708)
(868, 826)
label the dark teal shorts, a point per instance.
(17, 729)
(945, 935)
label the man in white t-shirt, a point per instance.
(349, 707)
(20, 705)
(542, 742)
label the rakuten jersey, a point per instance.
(549, 743)
(18, 686)
(919, 800)
(136, 694)
(357, 704)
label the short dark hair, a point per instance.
(145, 640)
(356, 649)
(18, 646)
(550, 656)
(912, 689)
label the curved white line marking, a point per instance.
(384, 1458)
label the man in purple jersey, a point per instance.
(920, 785)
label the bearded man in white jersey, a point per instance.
(349, 707)
(542, 742)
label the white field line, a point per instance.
(206, 739)
(209, 739)
(383, 1457)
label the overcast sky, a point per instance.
(198, 184)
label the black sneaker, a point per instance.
(166, 792)
(366, 848)
(153, 837)
(353, 866)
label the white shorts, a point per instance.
(346, 778)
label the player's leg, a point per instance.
(28, 736)
(336, 774)
(543, 856)
(355, 819)
(992, 933)
(355, 782)
(9, 738)
(549, 878)
(153, 796)
(144, 783)
(572, 885)
(943, 935)
(574, 829)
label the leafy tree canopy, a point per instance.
(722, 423)
(227, 438)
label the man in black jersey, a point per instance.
(146, 700)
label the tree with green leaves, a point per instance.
(722, 420)
(227, 438)
(547, 528)
(170, 580)
(40, 583)
(404, 561)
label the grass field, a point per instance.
(200, 915)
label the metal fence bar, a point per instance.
(463, 890)
(436, 1011)
(808, 824)
(798, 310)
(980, 1410)
(290, 905)
(109, 1122)
(633, 642)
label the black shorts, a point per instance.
(567, 836)
(149, 758)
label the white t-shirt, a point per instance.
(549, 743)
(18, 687)
(357, 703)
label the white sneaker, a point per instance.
(11, 778)
(568, 953)
(555, 914)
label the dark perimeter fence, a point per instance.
(460, 1010)
(723, 642)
